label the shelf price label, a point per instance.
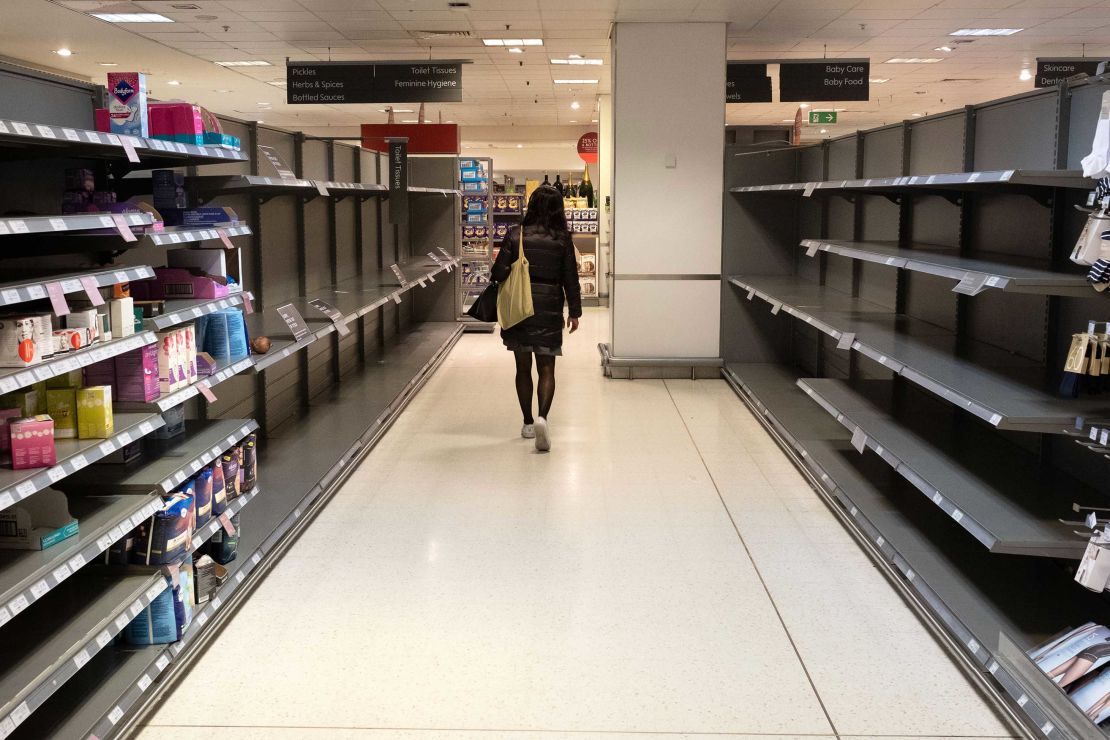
(120, 222)
(332, 313)
(293, 319)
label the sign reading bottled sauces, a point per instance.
(339, 83)
(746, 82)
(587, 147)
(1051, 72)
(831, 79)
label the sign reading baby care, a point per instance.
(587, 147)
(826, 79)
(344, 83)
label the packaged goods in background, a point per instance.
(248, 465)
(136, 374)
(94, 412)
(25, 399)
(72, 379)
(219, 488)
(70, 340)
(169, 189)
(32, 442)
(37, 522)
(167, 535)
(121, 314)
(7, 415)
(230, 462)
(61, 405)
(169, 615)
(174, 423)
(208, 576)
(44, 333)
(85, 319)
(202, 491)
(1077, 662)
(167, 361)
(17, 343)
(224, 547)
(127, 104)
(125, 454)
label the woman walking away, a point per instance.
(549, 250)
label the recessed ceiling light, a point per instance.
(533, 42)
(575, 82)
(519, 146)
(916, 115)
(913, 60)
(572, 121)
(132, 17)
(575, 105)
(513, 42)
(986, 32)
(410, 120)
(246, 63)
(222, 91)
(63, 52)
(803, 106)
(515, 50)
(878, 80)
(1026, 74)
(108, 64)
(943, 48)
(578, 61)
(574, 56)
(396, 110)
(172, 82)
(824, 131)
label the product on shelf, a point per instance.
(186, 123)
(94, 412)
(127, 106)
(180, 283)
(25, 399)
(87, 318)
(169, 615)
(230, 461)
(219, 488)
(168, 189)
(37, 522)
(202, 490)
(208, 576)
(61, 405)
(1076, 662)
(248, 463)
(260, 345)
(32, 441)
(17, 343)
(69, 340)
(589, 287)
(223, 335)
(121, 314)
(6, 417)
(44, 334)
(130, 451)
(174, 423)
(224, 547)
(168, 534)
(204, 218)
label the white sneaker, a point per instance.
(543, 441)
(528, 431)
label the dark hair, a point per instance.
(545, 210)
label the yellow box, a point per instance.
(61, 404)
(94, 412)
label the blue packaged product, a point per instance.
(216, 337)
(174, 419)
(224, 547)
(203, 494)
(219, 489)
(157, 624)
(237, 333)
(166, 536)
(169, 189)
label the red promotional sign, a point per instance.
(587, 148)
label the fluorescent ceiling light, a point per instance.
(172, 82)
(575, 82)
(519, 146)
(63, 52)
(913, 60)
(533, 42)
(132, 17)
(574, 56)
(108, 64)
(943, 48)
(513, 42)
(577, 60)
(824, 131)
(986, 32)
(396, 110)
(410, 120)
(916, 115)
(878, 80)
(515, 50)
(575, 105)
(1025, 75)
(572, 121)
(803, 105)
(247, 63)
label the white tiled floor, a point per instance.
(663, 571)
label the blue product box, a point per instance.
(167, 536)
(226, 141)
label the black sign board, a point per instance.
(826, 79)
(746, 82)
(398, 180)
(339, 83)
(1051, 72)
(292, 318)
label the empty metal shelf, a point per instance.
(1000, 180)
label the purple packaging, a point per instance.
(203, 494)
(248, 464)
(219, 490)
(137, 374)
(167, 535)
(75, 201)
(80, 178)
(230, 461)
(101, 373)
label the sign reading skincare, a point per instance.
(344, 83)
(827, 79)
(747, 82)
(1051, 72)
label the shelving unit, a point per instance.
(911, 357)
(66, 223)
(477, 247)
(337, 392)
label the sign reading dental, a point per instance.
(824, 79)
(1051, 72)
(345, 83)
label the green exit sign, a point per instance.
(822, 116)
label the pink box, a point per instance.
(172, 283)
(33, 442)
(137, 375)
(167, 119)
(6, 416)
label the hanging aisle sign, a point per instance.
(398, 180)
(824, 79)
(345, 83)
(1051, 72)
(747, 82)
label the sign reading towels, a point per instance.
(340, 83)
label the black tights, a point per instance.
(545, 366)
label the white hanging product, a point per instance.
(1095, 164)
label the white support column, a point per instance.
(668, 180)
(604, 186)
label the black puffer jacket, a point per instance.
(554, 273)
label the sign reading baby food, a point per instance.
(344, 83)
(827, 79)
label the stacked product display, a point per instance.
(902, 314)
(480, 226)
(584, 226)
(125, 532)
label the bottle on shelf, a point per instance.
(558, 183)
(586, 189)
(546, 181)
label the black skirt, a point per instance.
(554, 276)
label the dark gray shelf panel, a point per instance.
(365, 189)
(999, 180)
(66, 223)
(28, 575)
(180, 311)
(225, 370)
(14, 378)
(982, 599)
(1000, 499)
(998, 387)
(165, 464)
(973, 276)
(213, 185)
(25, 140)
(175, 235)
(445, 192)
(74, 455)
(33, 288)
(71, 625)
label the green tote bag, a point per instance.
(514, 296)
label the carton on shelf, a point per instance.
(94, 412)
(6, 416)
(26, 400)
(17, 343)
(37, 522)
(61, 405)
(127, 106)
(33, 442)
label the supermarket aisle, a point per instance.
(663, 571)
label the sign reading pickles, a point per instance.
(340, 83)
